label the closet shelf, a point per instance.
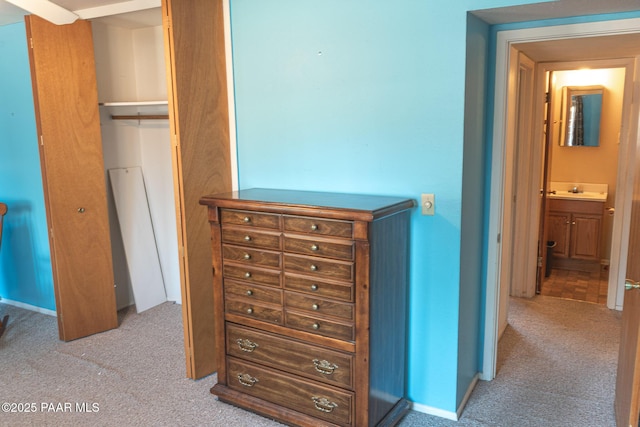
(133, 103)
(138, 110)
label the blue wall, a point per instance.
(25, 262)
(364, 96)
(369, 96)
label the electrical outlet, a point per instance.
(428, 204)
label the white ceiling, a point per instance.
(545, 10)
(89, 9)
(130, 13)
(10, 14)
(587, 48)
(583, 49)
(554, 9)
(145, 13)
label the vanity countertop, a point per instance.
(586, 191)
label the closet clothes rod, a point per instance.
(142, 117)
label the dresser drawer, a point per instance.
(318, 325)
(251, 256)
(250, 219)
(254, 310)
(313, 266)
(252, 274)
(289, 355)
(251, 237)
(316, 226)
(322, 288)
(318, 306)
(319, 247)
(323, 402)
(252, 292)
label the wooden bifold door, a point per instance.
(68, 128)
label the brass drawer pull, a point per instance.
(315, 307)
(314, 287)
(249, 292)
(323, 404)
(314, 227)
(247, 345)
(247, 380)
(316, 326)
(249, 310)
(246, 219)
(324, 366)
(247, 274)
(314, 267)
(247, 256)
(314, 247)
(247, 238)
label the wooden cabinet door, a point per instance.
(585, 236)
(559, 230)
(199, 124)
(68, 127)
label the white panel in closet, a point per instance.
(138, 236)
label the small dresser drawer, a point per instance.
(322, 288)
(313, 266)
(320, 326)
(250, 219)
(251, 237)
(323, 402)
(292, 356)
(252, 292)
(254, 310)
(251, 256)
(318, 306)
(252, 274)
(322, 227)
(319, 247)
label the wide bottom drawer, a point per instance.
(292, 356)
(323, 402)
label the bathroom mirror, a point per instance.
(580, 116)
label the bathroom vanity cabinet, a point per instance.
(576, 227)
(310, 295)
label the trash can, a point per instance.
(550, 245)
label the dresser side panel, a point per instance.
(388, 313)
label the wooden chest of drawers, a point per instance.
(310, 303)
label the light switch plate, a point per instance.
(428, 204)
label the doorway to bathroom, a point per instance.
(586, 106)
(570, 193)
(570, 250)
(565, 44)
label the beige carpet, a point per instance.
(556, 368)
(135, 374)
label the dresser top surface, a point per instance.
(293, 201)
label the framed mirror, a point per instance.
(581, 115)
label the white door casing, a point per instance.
(498, 221)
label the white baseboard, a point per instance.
(430, 410)
(45, 310)
(454, 416)
(28, 307)
(465, 399)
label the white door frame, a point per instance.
(498, 222)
